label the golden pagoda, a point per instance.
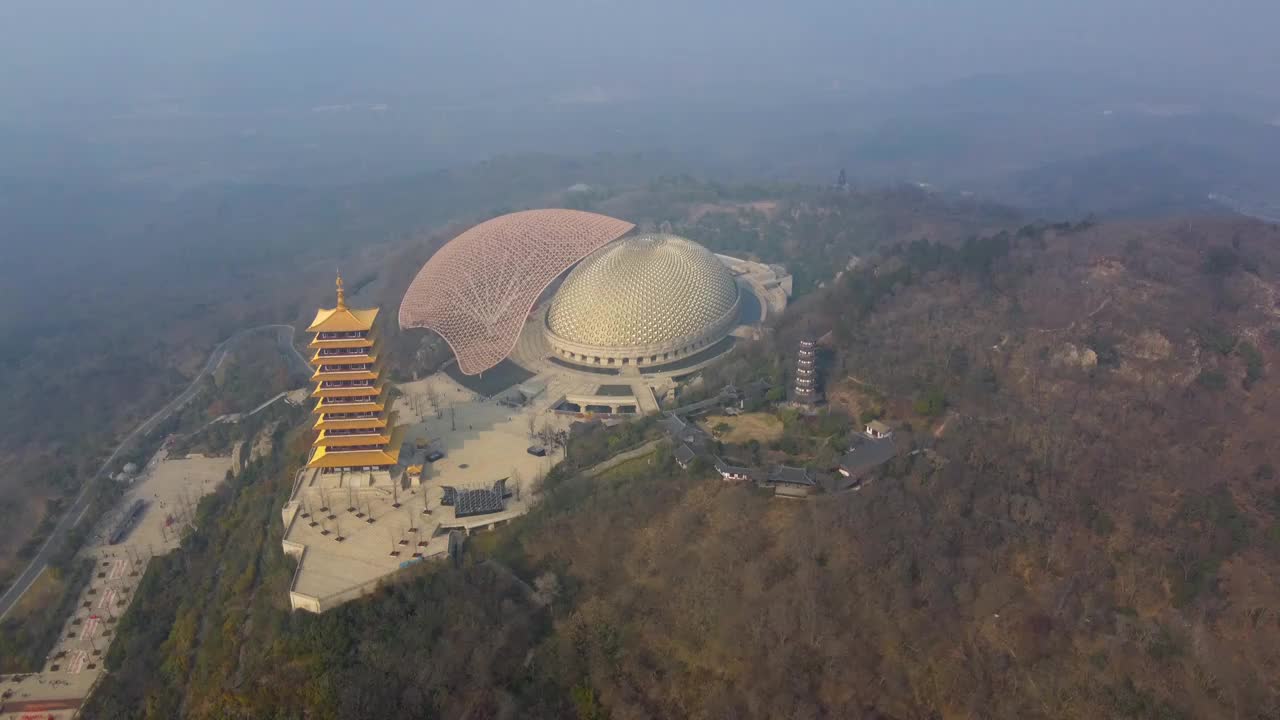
(352, 405)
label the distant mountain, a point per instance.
(1066, 145)
(1149, 180)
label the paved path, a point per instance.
(622, 457)
(71, 518)
(718, 399)
(648, 404)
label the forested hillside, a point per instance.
(113, 306)
(1094, 532)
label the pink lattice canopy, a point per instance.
(477, 290)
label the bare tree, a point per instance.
(546, 588)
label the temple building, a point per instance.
(352, 404)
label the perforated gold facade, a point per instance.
(642, 300)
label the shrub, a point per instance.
(1221, 261)
(1106, 350)
(932, 403)
(1253, 363)
(1212, 380)
(1217, 340)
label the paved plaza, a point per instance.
(352, 529)
(171, 487)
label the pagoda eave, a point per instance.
(374, 406)
(352, 376)
(369, 423)
(338, 441)
(360, 359)
(334, 457)
(347, 392)
(343, 343)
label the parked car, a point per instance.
(434, 455)
(537, 450)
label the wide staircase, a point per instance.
(647, 404)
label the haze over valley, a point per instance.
(963, 409)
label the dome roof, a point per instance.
(643, 291)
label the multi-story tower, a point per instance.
(805, 387)
(354, 423)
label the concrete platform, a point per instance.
(483, 441)
(171, 487)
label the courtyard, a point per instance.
(349, 530)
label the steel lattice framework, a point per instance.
(477, 290)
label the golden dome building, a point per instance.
(642, 301)
(566, 291)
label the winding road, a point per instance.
(76, 512)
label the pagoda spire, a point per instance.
(342, 295)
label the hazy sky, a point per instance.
(126, 49)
